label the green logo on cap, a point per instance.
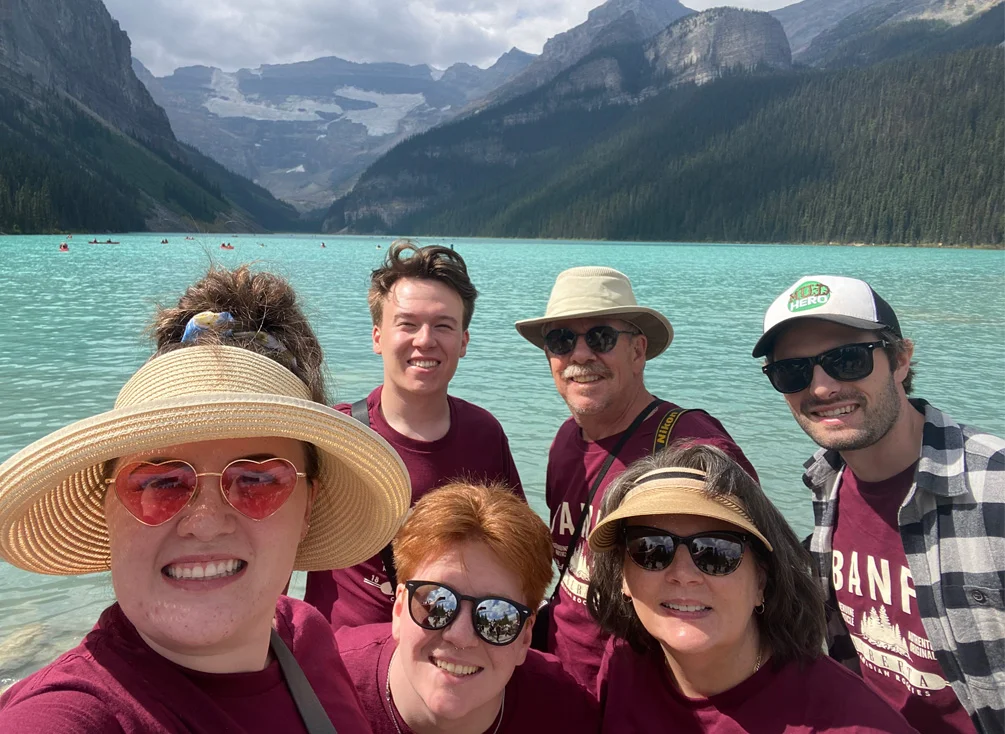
(810, 294)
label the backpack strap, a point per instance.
(311, 711)
(361, 413)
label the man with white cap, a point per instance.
(909, 536)
(598, 340)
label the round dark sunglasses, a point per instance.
(435, 606)
(715, 553)
(845, 363)
(600, 339)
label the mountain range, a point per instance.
(306, 130)
(88, 134)
(705, 132)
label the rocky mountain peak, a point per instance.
(700, 47)
(614, 22)
(803, 21)
(651, 15)
(76, 47)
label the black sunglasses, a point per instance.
(715, 553)
(600, 339)
(435, 606)
(846, 363)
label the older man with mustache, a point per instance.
(598, 340)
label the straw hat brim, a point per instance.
(671, 501)
(52, 518)
(655, 326)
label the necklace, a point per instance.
(391, 706)
(757, 663)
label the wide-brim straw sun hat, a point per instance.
(597, 292)
(52, 517)
(672, 491)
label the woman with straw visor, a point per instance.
(219, 471)
(716, 623)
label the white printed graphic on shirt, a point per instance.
(577, 578)
(881, 644)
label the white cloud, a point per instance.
(233, 34)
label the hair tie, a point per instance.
(222, 323)
(206, 321)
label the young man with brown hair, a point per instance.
(421, 301)
(909, 507)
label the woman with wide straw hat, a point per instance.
(717, 624)
(473, 564)
(219, 471)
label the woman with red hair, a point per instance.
(473, 564)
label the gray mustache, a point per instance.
(585, 370)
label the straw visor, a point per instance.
(52, 517)
(675, 491)
(596, 292)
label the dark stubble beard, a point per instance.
(881, 416)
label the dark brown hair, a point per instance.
(461, 512)
(896, 348)
(259, 302)
(405, 259)
(793, 622)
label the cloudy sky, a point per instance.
(232, 34)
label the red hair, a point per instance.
(460, 512)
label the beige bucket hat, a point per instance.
(52, 516)
(672, 491)
(595, 292)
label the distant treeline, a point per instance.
(909, 151)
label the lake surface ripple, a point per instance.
(73, 332)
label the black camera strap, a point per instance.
(361, 413)
(578, 533)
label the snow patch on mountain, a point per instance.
(298, 169)
(390, 109)
(229, 101)
(436, 74)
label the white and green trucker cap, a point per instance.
(847, 301)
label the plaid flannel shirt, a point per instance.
(952, 525)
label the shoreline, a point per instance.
(390, 237)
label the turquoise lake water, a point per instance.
(72, 333)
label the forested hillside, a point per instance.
(83, 146)
(47, 185)
(62, 169)
(910, 150)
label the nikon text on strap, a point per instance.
(665, 429)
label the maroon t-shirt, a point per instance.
(636, 691)
(114, 682)
(875, 594)
(573, 466)
(475, 448)
(540, 696)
